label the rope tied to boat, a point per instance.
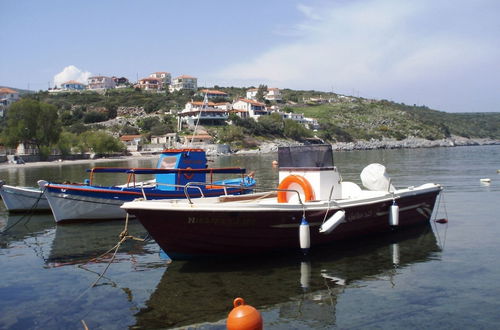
(444, 221)
(123, 236)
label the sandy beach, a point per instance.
(6, 165)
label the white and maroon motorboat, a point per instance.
(312, 206)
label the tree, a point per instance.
(32, 122)
(295, 130)
(67, 142)
(101, 142)
(272, 124)
(94, 117)
(261, 93)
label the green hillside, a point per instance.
(341, 118)
(376, 119)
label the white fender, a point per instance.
(329, 225)
(304, 235)
(394, 214)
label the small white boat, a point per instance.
(22, 199)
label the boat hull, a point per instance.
(80, 202)
(22, 199)
(186, 232)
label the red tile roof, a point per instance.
(72, 82)
(6, 90)
(129, 137)
(252, 102)
(185, 77)
(212, 91)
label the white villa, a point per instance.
(208, 113)
(149, 84)
(100, 82)
(165, 77)
(246, 108)
(273, 94)
(184, 82)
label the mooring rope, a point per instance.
(123, 236)
(443, 241)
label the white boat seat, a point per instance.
(350, 190)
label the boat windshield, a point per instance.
(305, 156)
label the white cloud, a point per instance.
(71, 72)
(379, 47)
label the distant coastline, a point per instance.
(411, 142)
(271, 147)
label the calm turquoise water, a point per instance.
(436, 276)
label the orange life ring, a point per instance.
(297, 180)
(188, 176)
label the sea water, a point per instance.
(439, 276)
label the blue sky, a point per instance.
(439, 53)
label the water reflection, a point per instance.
(71, 246)
(16, 228)
(202, 291)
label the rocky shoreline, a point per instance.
(411, 142)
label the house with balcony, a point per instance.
(209, 113)
(246, 108)
(184, 82)
(165, 77)
(273, 94)
(150, 84)
(100, 83)
(7, 97)
(310, 123)
(121, 82)
(72, 86)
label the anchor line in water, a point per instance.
(441, 242)
(28, 214)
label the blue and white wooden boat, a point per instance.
(180, 173)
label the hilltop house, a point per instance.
(100, 83)
(72, 86)
(249, 108)
(208, 113)
(184, 82)
(7, 97)
(310, 123)
(149, 84)
(121, 82)
(165, 77)
(272, 94)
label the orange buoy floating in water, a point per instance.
(243, 317)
